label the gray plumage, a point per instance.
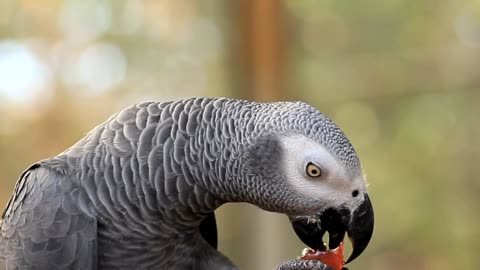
(134, 191)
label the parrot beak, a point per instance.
(338, 222)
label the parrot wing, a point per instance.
(42, 225)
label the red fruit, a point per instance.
(332, 257)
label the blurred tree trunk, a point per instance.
(258, 42)
(258, 46)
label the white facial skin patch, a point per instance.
(335, 184)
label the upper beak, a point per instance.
(357, 224)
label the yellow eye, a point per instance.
(313, 170)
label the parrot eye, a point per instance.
(313, 170)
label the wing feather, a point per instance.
(42, 226)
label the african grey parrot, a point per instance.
(139, 191)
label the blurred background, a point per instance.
(401, 78)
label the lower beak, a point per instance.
(338, 222)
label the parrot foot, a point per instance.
(303, 265)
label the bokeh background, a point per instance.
(400, 77)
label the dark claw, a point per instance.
(335, 222)
(335, 239)
(309, 232)
(358, 225)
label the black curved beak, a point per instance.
(338, 222)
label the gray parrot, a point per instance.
(139, 191)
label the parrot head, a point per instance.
(312, 173)
(343, 207)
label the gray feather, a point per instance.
(41, 227)
(133, 193)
